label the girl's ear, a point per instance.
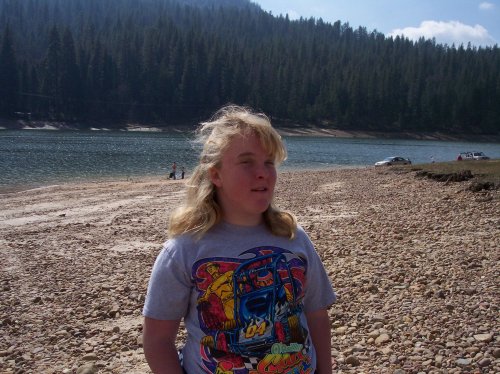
(214, 176)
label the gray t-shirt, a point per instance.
(242, 293)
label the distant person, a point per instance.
(459, 158)
(229, 220)
(172, 173)
(182, 172)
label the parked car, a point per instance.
(394, 160)
(473, 156)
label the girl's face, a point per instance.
(244, 181)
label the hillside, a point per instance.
(164, 62)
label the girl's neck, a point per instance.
(244, 222)
(239, 229)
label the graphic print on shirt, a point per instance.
(249, 308)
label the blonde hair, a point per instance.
(201, 211)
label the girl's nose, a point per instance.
(262, 171)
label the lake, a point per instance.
(33, 158)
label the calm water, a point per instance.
(38, 158)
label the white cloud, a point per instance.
(447, 32)
(486, 6)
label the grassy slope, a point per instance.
(483, 171)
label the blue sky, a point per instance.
(448, 21)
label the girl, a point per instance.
(245, 278)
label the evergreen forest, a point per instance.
(175, 61)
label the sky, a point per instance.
(448, 21)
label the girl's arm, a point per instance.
(159, 346)
(319, 327)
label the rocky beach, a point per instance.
(415, 264)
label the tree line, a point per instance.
(170, 61)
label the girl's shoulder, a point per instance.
(178, 245)
(300, 230)
(301, 233)
(302, 237)
(180, 239)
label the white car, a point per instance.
(394, 160)
(473, 156)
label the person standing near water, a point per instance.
(172, 173)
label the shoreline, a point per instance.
(18, 189)
(284, 130)
(405, 255)
(21, 188)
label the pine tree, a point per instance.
(51, 74)
(9, 81)
(69, 79)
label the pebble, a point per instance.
(463, 362)
(90, 357)
(483, 337)
(383, 338)
(352, 360)
(416, 278)
(87, 369)
(496, 353)
(341, 330)
(484, 362)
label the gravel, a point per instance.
(414, 263)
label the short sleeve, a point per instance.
(170, 285)
(319, 291)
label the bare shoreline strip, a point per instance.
(24, 187)
(415, 264)
(288, 129)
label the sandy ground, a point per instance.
(414, 263)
